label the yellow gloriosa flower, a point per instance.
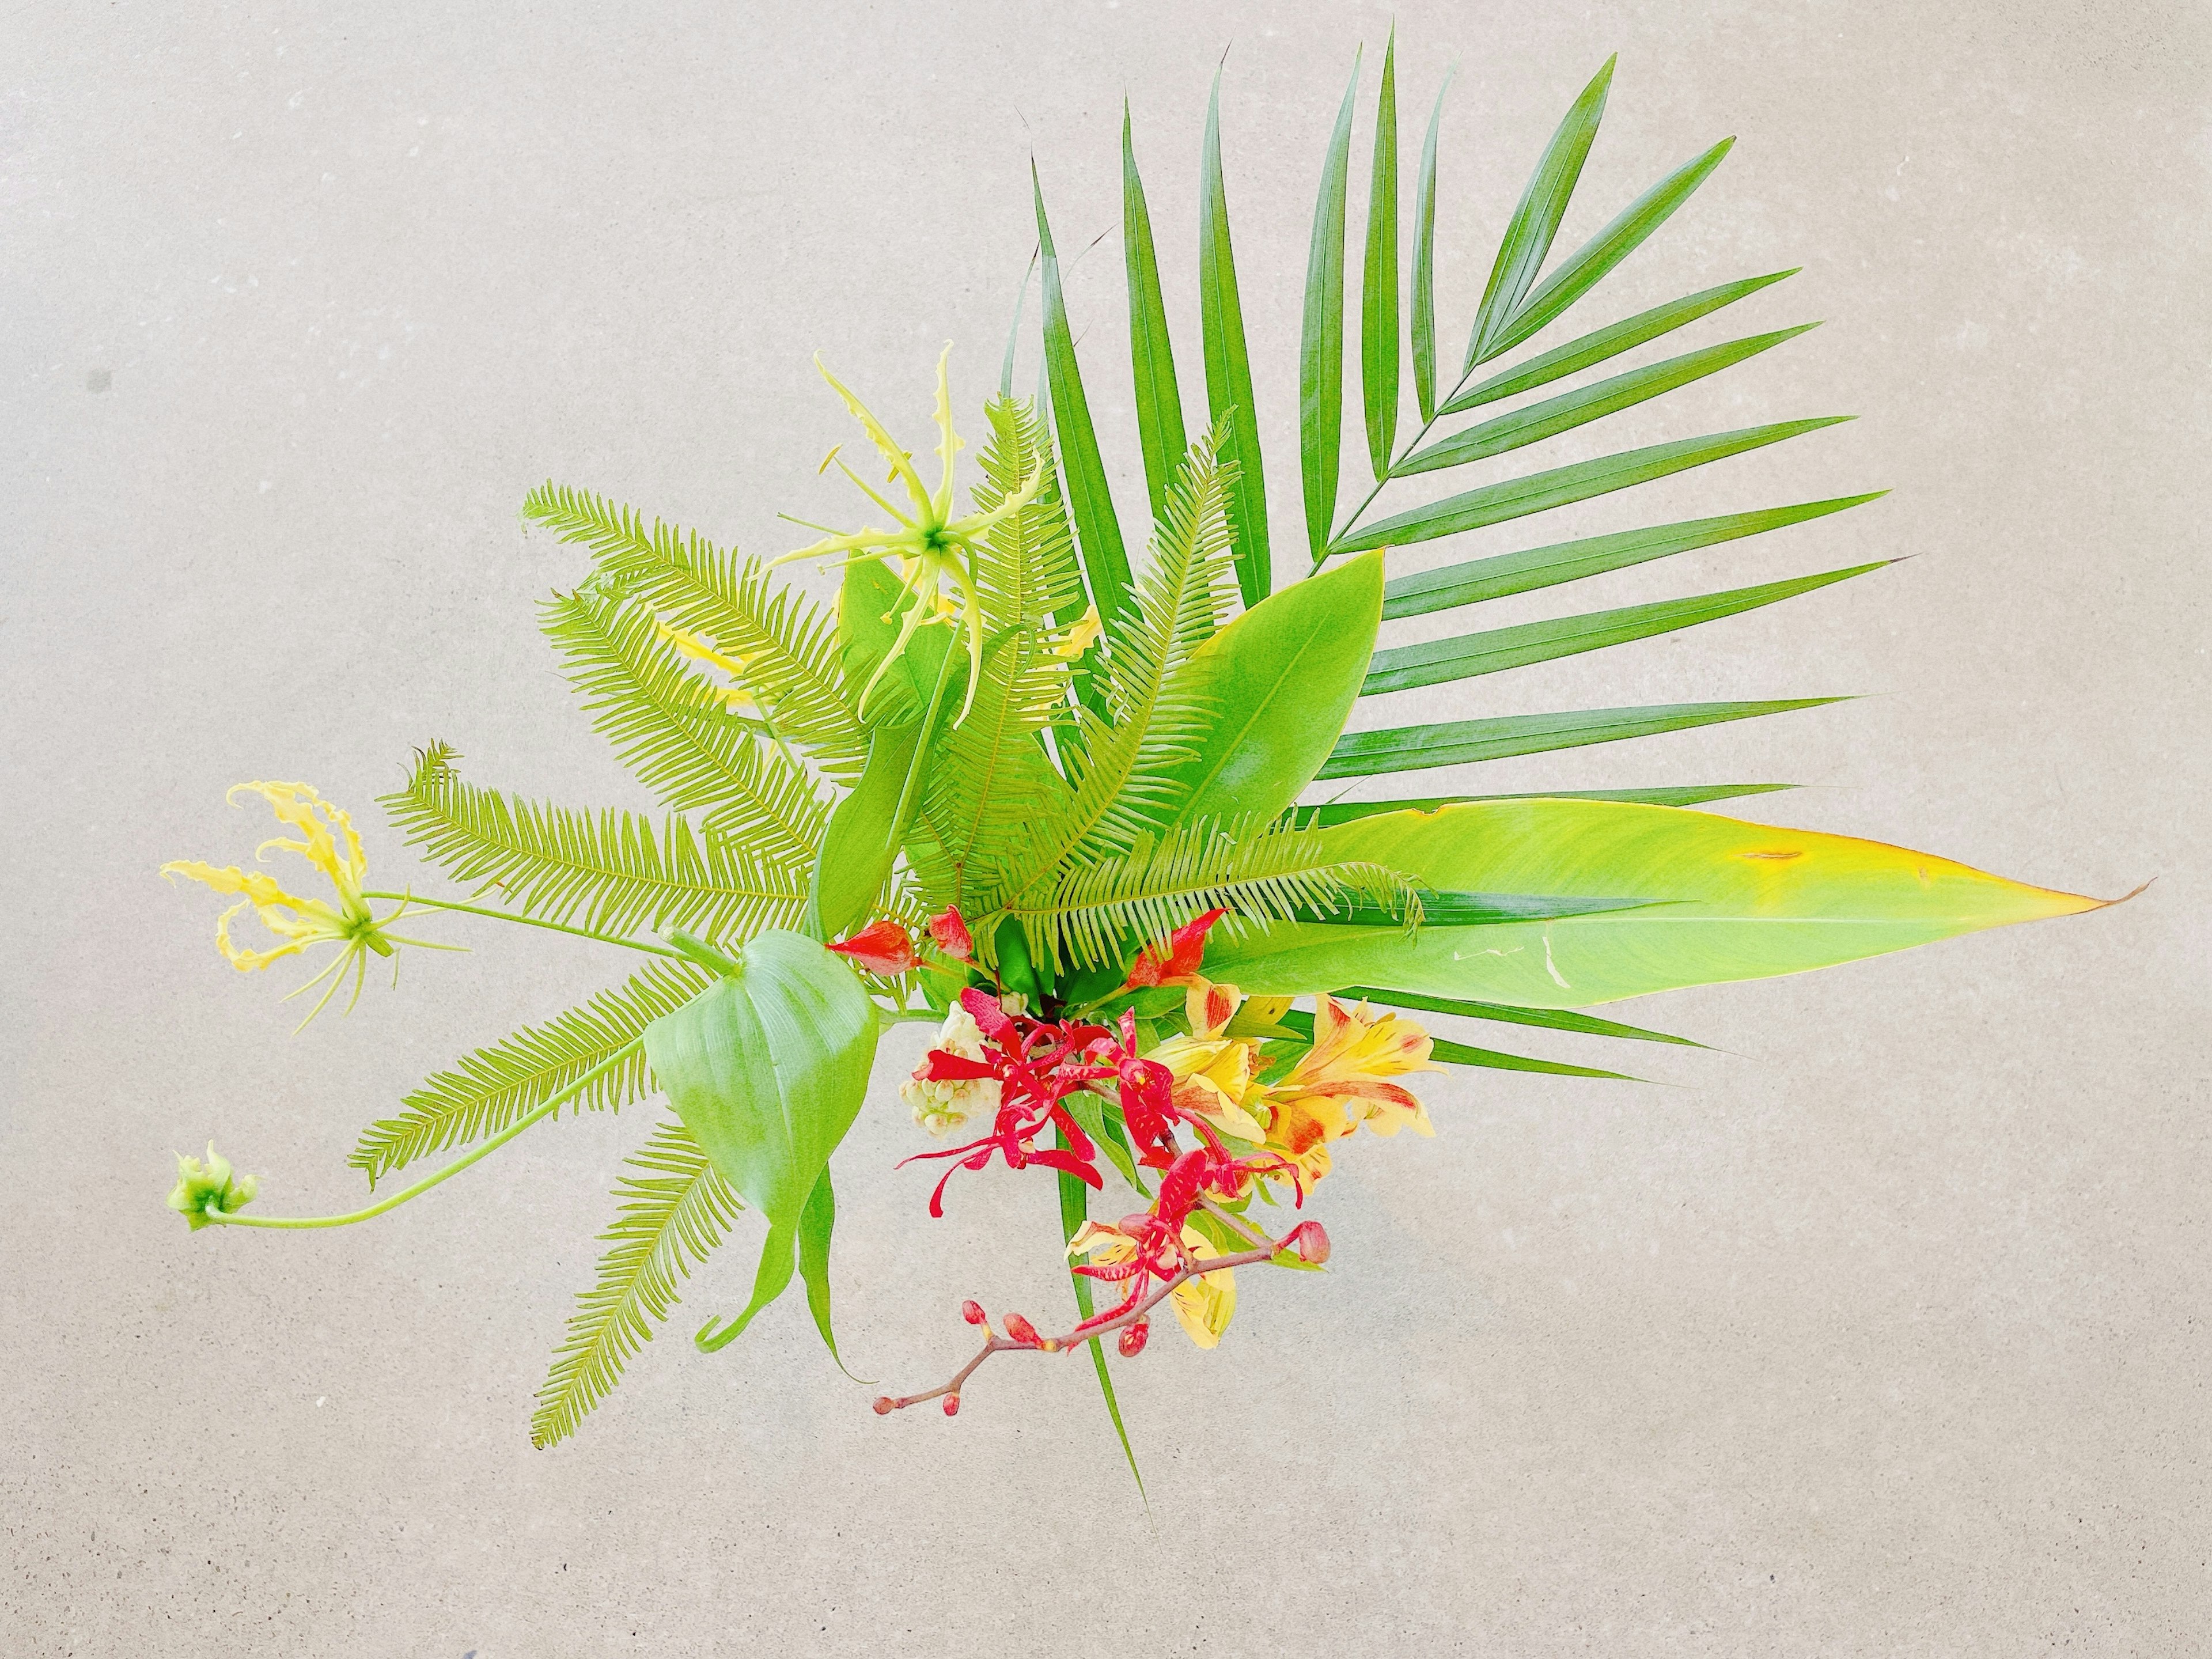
(1203, 1305)
(328, 842)
(932, 546)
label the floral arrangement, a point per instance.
(1054, 802)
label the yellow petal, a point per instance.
(330, 844)
(1206, 1304)
(902, 463)
(1084, 631)
(948, 442)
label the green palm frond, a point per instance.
(608, 869)
(671, 1216)
(678, 733)
(492, 1087)
(1119, 762)
(1258, 873)
(990, 774)
(787, 642)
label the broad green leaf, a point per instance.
(1536, 220)
(1747, 900)
(1463, 1054)
(1159, 402)
(1434, 661)
(1458, 742)
(1281, 679)
(1550, 1019)
(1686, 794)
(1562, 486)
(1587, 266)
(1424, 327)
(817, 1222)
(1457, 909)
(857, 852)
(1228, 366)
(767, 1069)
(1074, 1210)
(1321, 345)
(1592, 555)
(1611, 340)
(1097, 532)
(1592, 403)
(1378, 288)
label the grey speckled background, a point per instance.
(1885, 1332)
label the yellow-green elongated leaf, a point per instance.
(1014, 333)
(1424, 325)
(1592, 403)
(1591, 556)
(1097, 530)
(1683, 794)
(489, 1089)
(1434, 661)
(1321, 345)
(1550, 1019)
(1159, 402)
(1378, 284)
(1463, 1054)
(1748, 900)
(1459, 742)
(1587, 266)
(1229, 366)
(1281, 681)
(1536, 220)
(1601, 344)
(767, 1069)
(1562, 486)
(672, 1215)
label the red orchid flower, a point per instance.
(881, 947)
(1186, 949)
(951, 934)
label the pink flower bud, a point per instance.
(1311, 1241)
(1133, 1338)
(884, 1406)
(972, 1311)
(1020, 1330)
(953, 1404)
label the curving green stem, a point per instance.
(526, 922)
(622, 1054)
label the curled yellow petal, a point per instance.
(1206, 1304)
(902, 463)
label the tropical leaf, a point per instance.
(1682, 794)
(1458, 742)
(677, 732)
(608, 869)
(1423, 327)
(1378, 284)
(1321, 349)
(1464, 1053)
(786, 643)
(492, 1087)
(1228, 366)
(1550, 1019)
(1159, 401)
(1741, 901)
(671, 1216)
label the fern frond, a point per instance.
(671, 1217)
(1121, 764)
(608, 868)
(1271, 872)
(677, 733)
(787, 642)
(494, 1087)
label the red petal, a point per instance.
(1186, 949)
(951, 934)
(881, 947)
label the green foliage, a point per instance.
(677, 734)
(786, 644)
(608, 869)
(492, 1087)
(669, 1218)
(1320, 346)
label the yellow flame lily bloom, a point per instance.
(932, 546)
(327, 842)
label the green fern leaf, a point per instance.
(607, 868)
(671, 1217)
(492, 1087)
(787, 642)
(677, 734)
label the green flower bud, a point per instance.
(205, 1190)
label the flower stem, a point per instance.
(526, 922)
(619, 1057)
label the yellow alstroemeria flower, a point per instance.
(1298, 1132)
(1355, 1052)
(329, 844)
(1213, 1072)
(931, 546)
(1203, 1305)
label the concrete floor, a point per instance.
(1885, 1331)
